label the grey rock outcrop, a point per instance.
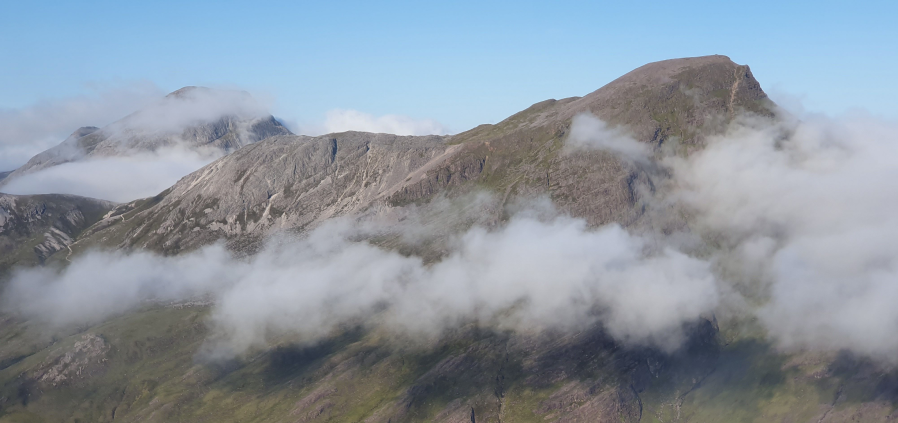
(281, 183)
(33, 227)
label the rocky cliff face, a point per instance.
(194, 118)
(292, 182)
(33, 227)
(285, 182)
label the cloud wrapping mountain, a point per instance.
(591, 133)
(528, 275)
(147, 151)
(116, 178)
(801, 216)
(191, 106)
(797, 216)
(792, 206)
(27, 131)
(808, 206)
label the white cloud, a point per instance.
(27, 131)
(117, 178)
(191, 106)
(528, 275)
(140, 154)
(591, 133)
(812, 203)
(341, 120)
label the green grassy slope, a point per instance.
(149, 366)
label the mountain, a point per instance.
(197, 118)
(34, 227)
(144, 365)
(289, 182)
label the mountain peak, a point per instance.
(193, 117)
(184, 91)
(684, 99)
(667, 70)
(193, 92)
(83, 131)
(677, 98)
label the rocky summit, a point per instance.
(148, 364)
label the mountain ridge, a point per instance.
(520, 156)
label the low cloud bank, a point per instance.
(811, 206)
(530, 274)
(117, 178)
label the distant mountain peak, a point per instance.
(193, 117)
(195, 91)
(185, 90)
(84, 130)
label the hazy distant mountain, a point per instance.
(195, 118)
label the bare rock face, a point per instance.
(280, 183)
(33, 227)
(296, 182)
(86, 356)
(193, 117)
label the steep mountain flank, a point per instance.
(677, 102)
(280, 183)
(33, 227)
(683, 98)
(192, 117)
(150, 375)
(294, 182)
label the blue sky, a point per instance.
(460, 63)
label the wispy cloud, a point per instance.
(148, 150)
(591, 133)
(116, 178)
(341, 120)
(531, 274)
(809, 207)
(192, 106)
(27, 131)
